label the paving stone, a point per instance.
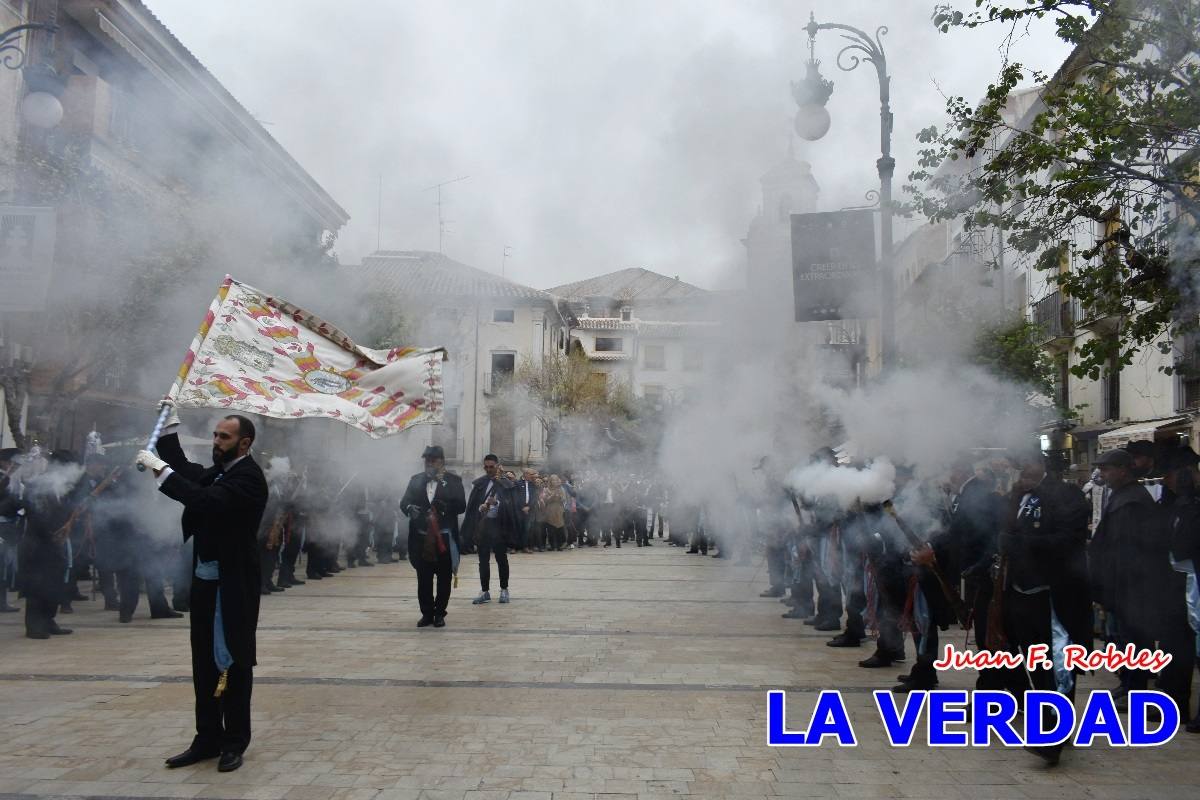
(622, 675)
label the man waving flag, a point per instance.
(259, 353)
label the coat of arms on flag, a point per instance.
(259, 353)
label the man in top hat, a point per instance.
(433, 500)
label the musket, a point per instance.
(344, 486)
(62, 533)
(948, 589)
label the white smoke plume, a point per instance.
(846, 485)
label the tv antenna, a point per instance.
(441, 217)
(504, 261)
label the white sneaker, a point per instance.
(504, 595)
(484, 597)
(571, 547)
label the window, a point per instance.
(654, 356)
(503, 315)
(626, 314)
(1110, 389)
(693, 358)
(609, 344)
(504, 362)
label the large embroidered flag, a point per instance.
(259, 353)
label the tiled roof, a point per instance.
(629, 284)
(424, 274)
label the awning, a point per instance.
(1113, 440)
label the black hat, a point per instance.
(434, 451)
(1142, 447)
(1181, 458)
(1115, 458)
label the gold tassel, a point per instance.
(222, 682)
(456, 580)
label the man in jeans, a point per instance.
(490, 520)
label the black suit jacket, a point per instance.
(223, 516)
(504, 490)
(449, 493)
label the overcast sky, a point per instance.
(597, 135)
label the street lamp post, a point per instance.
(812, 92)
(12, 54)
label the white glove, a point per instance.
(150, 461)
(173, 417)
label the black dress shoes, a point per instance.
(439, 622)
(169, 614)
(843, 640)
(876, 661)
(36, 635)
(55, 630)
(125, 618)
(424, 622)
(187, 758)
(229, 762)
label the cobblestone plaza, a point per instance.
(614, 674)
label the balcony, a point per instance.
(1056, 315)
(1103, 317)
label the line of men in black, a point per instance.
(62, 523)
(1060, 577)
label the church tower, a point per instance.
(787, 188)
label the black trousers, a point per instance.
(856, 597)
(443, 571)
(641, 531)
(40, 609)
(291, 552)
(356, 550)
(1178, 639)
(491, 540)
(222, 723)
(128, 591)
(776, 557)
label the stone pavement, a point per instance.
(614, 674)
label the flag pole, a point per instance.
(186, 366)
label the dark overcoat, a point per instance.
(1129, 561)
(222, 517)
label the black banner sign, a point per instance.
(833, 265)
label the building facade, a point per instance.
(154, 172)
(490, 327)
(648, 331)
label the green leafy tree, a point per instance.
(1012, 350)
(1100, 174)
